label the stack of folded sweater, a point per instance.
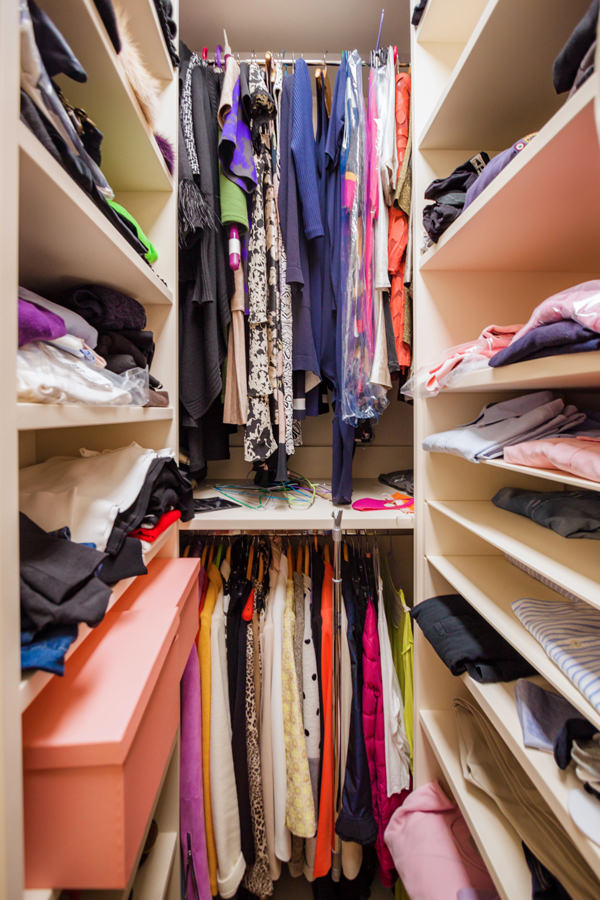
(92, 517)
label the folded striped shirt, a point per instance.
(569, 632)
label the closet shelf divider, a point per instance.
(549, 474)
(35, 416)
(278, 516)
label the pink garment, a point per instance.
(374, 732)
(432, 848)
(578, 456)
(491, 339)
(580, 303)
(371, 205)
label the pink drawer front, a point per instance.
(96, 742)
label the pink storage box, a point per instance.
(96, 742)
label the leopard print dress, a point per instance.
(258, 876)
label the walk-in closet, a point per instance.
(300, 464)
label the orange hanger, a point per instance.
(326, 553)
(290, 560)
(306, 559)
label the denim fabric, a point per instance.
(47, 649)
(465, 642)
(572, 514)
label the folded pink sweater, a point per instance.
(432, 848)
(576, 456)
(492, 339)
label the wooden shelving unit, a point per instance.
(278, 516)
(131, 159)
(518, 205)
(63, 239)
(574, 564)
(498, 703)
(35, 416)
(490, 584)
(508, 251)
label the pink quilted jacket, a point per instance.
(373, 725)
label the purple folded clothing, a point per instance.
(493, 168)
(37, 324)
(554, 339)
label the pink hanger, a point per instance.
(205, 53)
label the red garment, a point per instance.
(325, 826)
(374, 731)
(397, 241)
(150, 534)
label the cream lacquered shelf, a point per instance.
(131, 159)
(64, 239)
(572, 564)
(501, 87)
(498, 703)
(34, 416)
(490, 584)
(513, 224)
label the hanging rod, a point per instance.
(295, 532)
(309, 62)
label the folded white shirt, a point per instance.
(85, 492)
(47, 374)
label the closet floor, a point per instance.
(289, 888)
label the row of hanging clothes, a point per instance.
(294, 269)
(296, 735)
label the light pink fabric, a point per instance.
(576, 456)
(432, 849)
(580, 303)
(491, 339)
